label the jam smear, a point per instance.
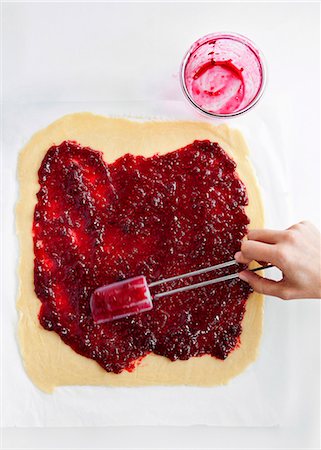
(223, 73)
(97, 223)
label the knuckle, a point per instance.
(304, 222)
(291, 236)
(245, 247)
(294, 227)
(298, 226)
(260, 288)
(281, 255)
(285, 294)
(258, 285)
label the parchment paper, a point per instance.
(252, 399)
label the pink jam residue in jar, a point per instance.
(223, 74)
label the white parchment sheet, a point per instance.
(255, 398)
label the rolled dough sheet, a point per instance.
(48, 361)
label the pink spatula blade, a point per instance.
(121, 299)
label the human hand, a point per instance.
(295, 251)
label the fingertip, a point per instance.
(243, 275)
(240, 258)
(251, 234)
(237, 256)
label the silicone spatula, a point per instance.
(121, 299)
(132, 296)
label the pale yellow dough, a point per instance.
(48, 361)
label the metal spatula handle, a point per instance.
(203, 283)
(195, 272)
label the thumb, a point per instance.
(262, 285)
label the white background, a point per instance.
(117, 51)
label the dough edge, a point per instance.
(47, 360)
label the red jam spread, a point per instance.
(97, 223)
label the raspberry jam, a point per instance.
(97, 223)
